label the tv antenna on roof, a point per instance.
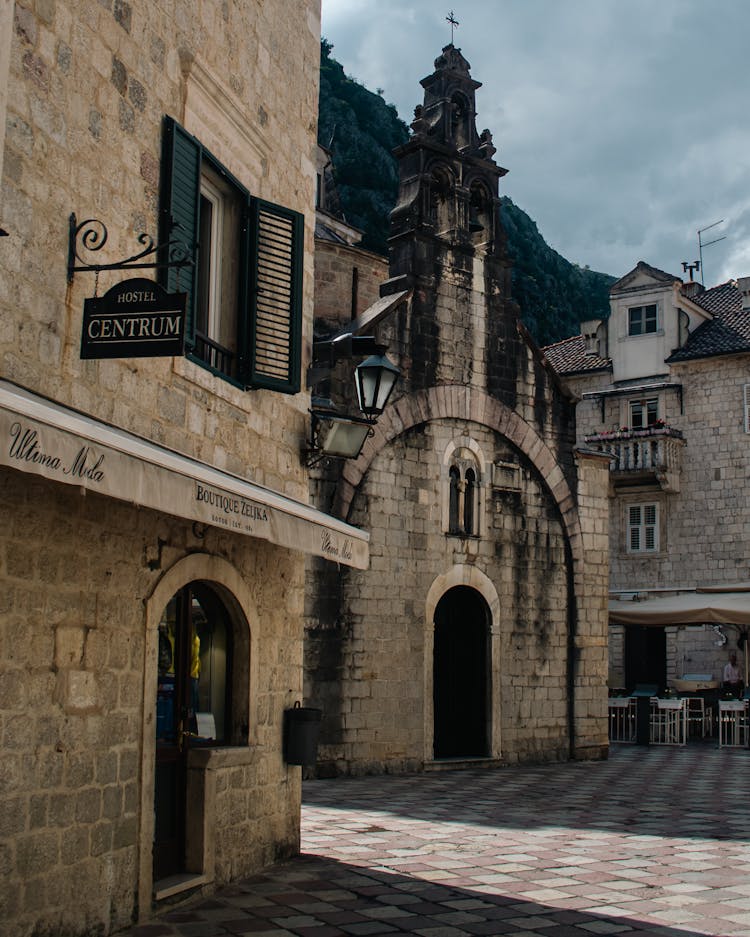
(702, 244)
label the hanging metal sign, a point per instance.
(134, 319)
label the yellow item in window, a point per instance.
(195, 657)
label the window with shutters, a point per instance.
(746, 399)
(244, 310)
(643, 528)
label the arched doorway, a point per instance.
(460, 674)
(193, 709)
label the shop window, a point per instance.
(201, 702)
(644, 413)
(642, 320)
(244, 311)
(643, 528)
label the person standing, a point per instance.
(732, 679)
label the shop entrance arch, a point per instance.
(193, 709)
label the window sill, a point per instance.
(195, 371)
(214, 759)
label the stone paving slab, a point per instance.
(654, 842)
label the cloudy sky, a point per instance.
(624, 124)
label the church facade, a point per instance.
(479, 632)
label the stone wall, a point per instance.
(339, 290)
(75, 572)
(89, 85)
(84, 578)
(702, 525)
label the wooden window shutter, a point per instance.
(274, 341)
(178, 211)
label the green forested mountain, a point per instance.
(361, 131)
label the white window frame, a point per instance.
(215, 197)
(641, 528)
(642, 308)
(642, 404)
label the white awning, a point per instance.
(685, 608)
(45, 438)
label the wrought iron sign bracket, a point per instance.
(91, 235)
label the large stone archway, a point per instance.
(456, 401)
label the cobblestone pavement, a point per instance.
(654, 841)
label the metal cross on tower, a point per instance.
(454, 24)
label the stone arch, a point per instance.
(440, 193)
(456, 401)
(481, 207)
(237, 597)
(460, 119)
(462, 575)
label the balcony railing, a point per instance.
(642, 455)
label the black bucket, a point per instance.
(301, 731)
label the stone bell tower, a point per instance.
(447, 239)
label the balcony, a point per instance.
(642, 456)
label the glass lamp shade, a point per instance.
(339, 436)
(375, 379)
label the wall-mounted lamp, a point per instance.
(339, 435)
(375, 379)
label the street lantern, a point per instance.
(375, 379)
(337, 434)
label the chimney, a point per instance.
(743, 285)
(692, 288)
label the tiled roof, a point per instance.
(719, 299)
(569, 357)
(728, 333)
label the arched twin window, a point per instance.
(463, 499)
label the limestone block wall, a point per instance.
(347, 280)
(704, 525)
(378, 649)
(76, 572)
(591, 596)
(88, 86)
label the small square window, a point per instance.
(642, 319)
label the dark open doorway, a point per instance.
(645, 656)
(460, 674)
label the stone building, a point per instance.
(155, 504)
(664, 389)
(347, 276)
(479, 630)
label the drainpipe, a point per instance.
(572, 617)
